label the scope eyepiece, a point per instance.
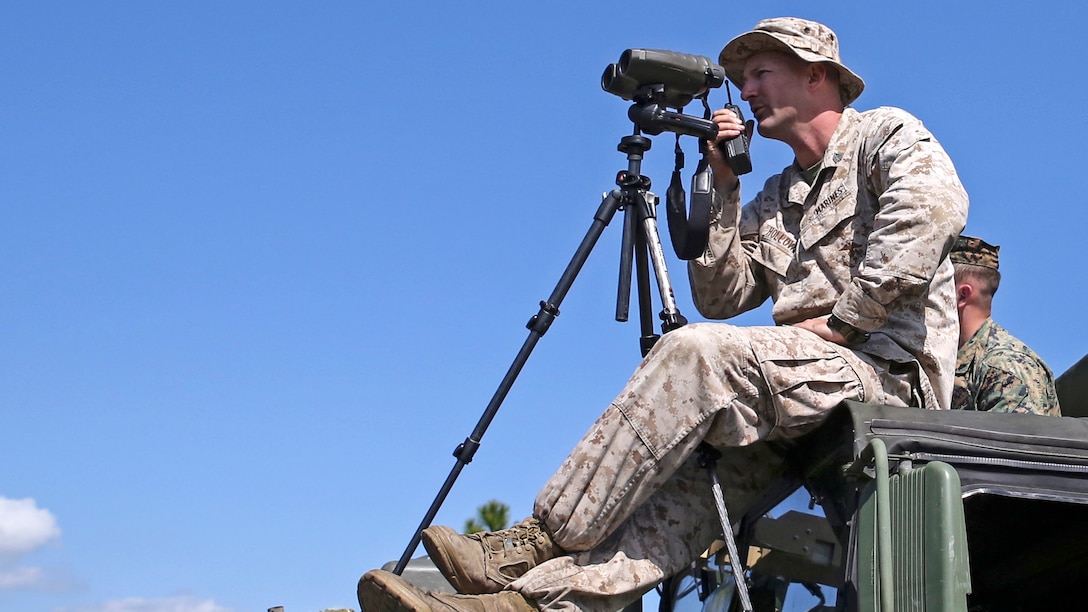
(615, 83)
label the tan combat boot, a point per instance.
(381, 591)
(486, 562)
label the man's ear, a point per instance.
(964, 292)
(817, 73)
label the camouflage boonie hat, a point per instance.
(974, 252)
(808, 40)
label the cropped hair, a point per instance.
(986, 279)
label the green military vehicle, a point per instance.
(921, 510)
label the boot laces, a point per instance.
(516, 538)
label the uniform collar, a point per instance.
(841, 140)
(839, 148)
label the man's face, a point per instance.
(774, 89)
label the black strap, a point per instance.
(690, 229)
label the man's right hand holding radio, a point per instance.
(729, 126)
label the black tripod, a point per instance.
(641, 246)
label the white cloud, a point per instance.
(24, 527)
(181, 603)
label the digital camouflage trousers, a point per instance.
(630, 504)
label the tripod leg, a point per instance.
(708, 458)
(538, 325)
(645, 300)
(627, 251)
(670, 313)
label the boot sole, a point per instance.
(382, 592)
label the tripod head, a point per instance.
(650, 115)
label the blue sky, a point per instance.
(263, 264)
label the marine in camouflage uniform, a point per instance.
(994, 371)
(862, 238)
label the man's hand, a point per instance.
(729, 126)
(819, 327)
